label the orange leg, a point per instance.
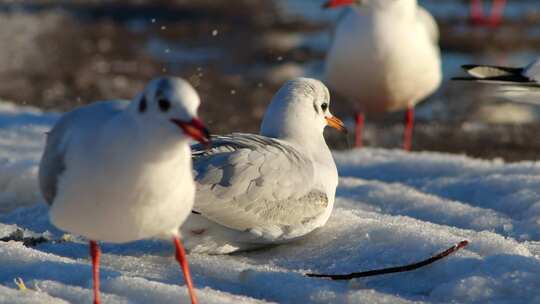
(477, 12)
(95, 254)
(182, 260)
(359, 130)
(497, 11)
(409, 126)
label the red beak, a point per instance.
(194, 128)
(337, 3)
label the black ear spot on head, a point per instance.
(142, 105)
(316, 108)
(164, 104)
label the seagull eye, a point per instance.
(164, 105)
(142, 105)
(324, 107)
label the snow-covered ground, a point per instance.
(392, 208)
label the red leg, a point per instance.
(409, 126)
(359, 130)
(95, 254)
(477, 12)
(497, 12)
(182, 260)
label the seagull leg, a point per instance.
(182, 260)
(359, 130)
(409, 126)
(477, 12)
(95, 254)
(497, 11)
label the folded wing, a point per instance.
(252, 182)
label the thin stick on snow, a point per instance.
(404, 268)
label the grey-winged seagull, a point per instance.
(257, 190)
(384, 57)
(119, 171)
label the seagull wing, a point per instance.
(496, 75)
(53, 163)
(254, 183)
(514, 84)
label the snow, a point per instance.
(392, 208)
(22, 136)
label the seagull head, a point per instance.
(339, 3)
(170, 104)
(300, 108)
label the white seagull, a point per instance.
(518, 84)
(119, 171)
(384, 57)
(257, 190)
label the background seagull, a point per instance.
(256, 190)
(519, 84)
(384, 57)
(119, 171)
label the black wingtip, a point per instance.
(468, 67)
(464, 79)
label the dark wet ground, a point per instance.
(59, 54)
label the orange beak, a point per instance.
(337, 3)
(195, 129)
(336, 123)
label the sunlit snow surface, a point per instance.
(392, 208)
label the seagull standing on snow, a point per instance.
(384, 57)
(519, 84)
(257, 190)
(119, 171)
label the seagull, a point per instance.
(384, 57)
(258, 190)
(518, 84)
(118, 171)
(477, 13)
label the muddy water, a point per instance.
(58, 54)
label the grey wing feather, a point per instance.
(53, 163)
(490, 71)
(507, 76)
(248, 181)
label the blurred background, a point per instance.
(59, 54)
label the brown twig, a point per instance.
(404, 268)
